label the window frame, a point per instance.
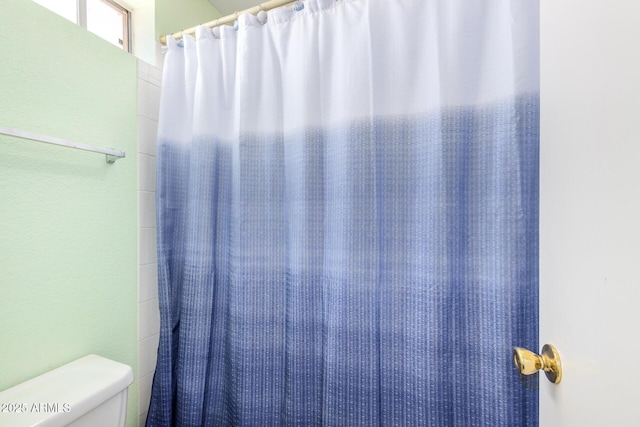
(81, 20)
(126, 24)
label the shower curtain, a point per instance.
(347, 213)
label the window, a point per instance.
(104, 18)
(109, 21)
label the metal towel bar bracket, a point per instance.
(111, 155)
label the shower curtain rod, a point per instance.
(111, 155)
(272, 4)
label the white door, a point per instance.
(590, 210)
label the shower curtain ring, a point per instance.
(262, 14)
(235, 22)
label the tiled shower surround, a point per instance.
(149, 82)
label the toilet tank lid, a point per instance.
(81, 385)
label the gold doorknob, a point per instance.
(527, 362)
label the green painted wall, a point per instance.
(68, 237)
(173, 16)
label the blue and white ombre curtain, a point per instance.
(348, 217)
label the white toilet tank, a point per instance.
(88, 392)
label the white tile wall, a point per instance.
(147, 210)
(149, 82)
(147, 283)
